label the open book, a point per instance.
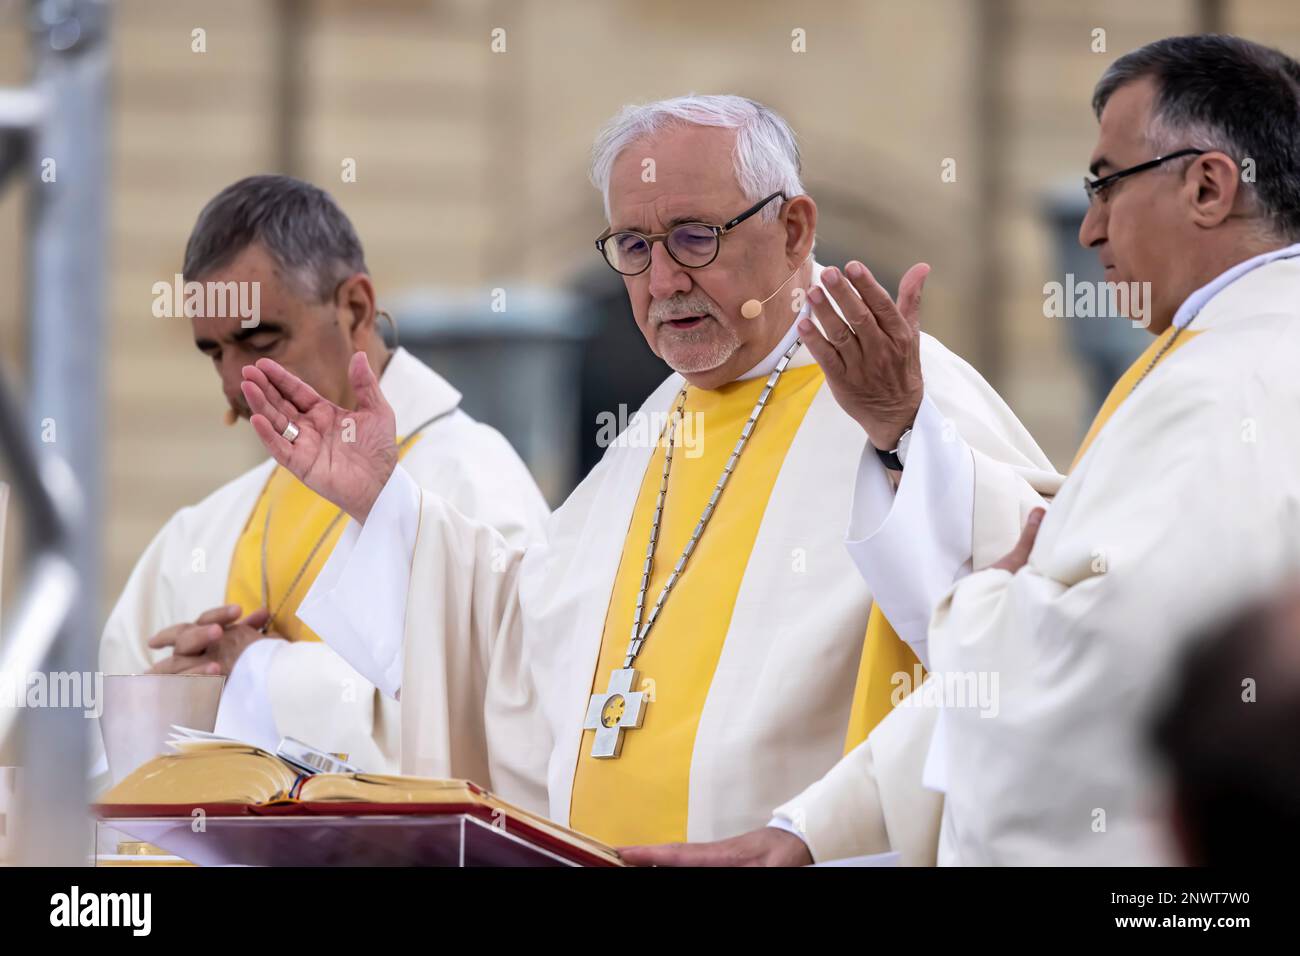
(228, 778)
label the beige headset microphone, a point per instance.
(753, 308)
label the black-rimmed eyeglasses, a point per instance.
(1096, 188)
(691, 244)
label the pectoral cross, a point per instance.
(618, 709)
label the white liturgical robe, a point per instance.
(494, 648)
(303, 688)
(1185, 505)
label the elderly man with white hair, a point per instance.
(688, 647)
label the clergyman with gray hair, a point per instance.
(218, 589)
(689, 645)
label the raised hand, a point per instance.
(873, 361)
(342, 454)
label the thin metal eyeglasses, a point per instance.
(691, 244)
(1096, 188)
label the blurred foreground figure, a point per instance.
(688, 647)
(218, 589)
(1230, 736)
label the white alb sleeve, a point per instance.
(245, 712)
(779, 822)
(911, 544)
(358, 601)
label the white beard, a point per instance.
(701, 359)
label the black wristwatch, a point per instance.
(893, 460)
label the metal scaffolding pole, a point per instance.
(55, 629)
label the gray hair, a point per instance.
(302, 228)
(1224, 93)
(766, 156)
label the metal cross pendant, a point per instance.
(618, 709)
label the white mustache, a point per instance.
(665, 310)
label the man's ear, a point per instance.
(799, 215)
(356, 301)
(1212, 187)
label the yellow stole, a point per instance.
(642, 795)
(884, 653)
(299, 517)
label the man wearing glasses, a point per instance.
(688, 647)
(1183, 502)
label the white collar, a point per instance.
(416, 392)
(1193, 304)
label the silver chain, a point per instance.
(639, 632)
(1158, 356)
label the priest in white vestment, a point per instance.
(686, 648)
(1183, 502)
(198, 598)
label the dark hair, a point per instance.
(1226, 93)
(301, 226)
(1235, 759)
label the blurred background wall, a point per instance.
(470, 174)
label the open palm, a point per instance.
(872, 355)
(342, 454)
